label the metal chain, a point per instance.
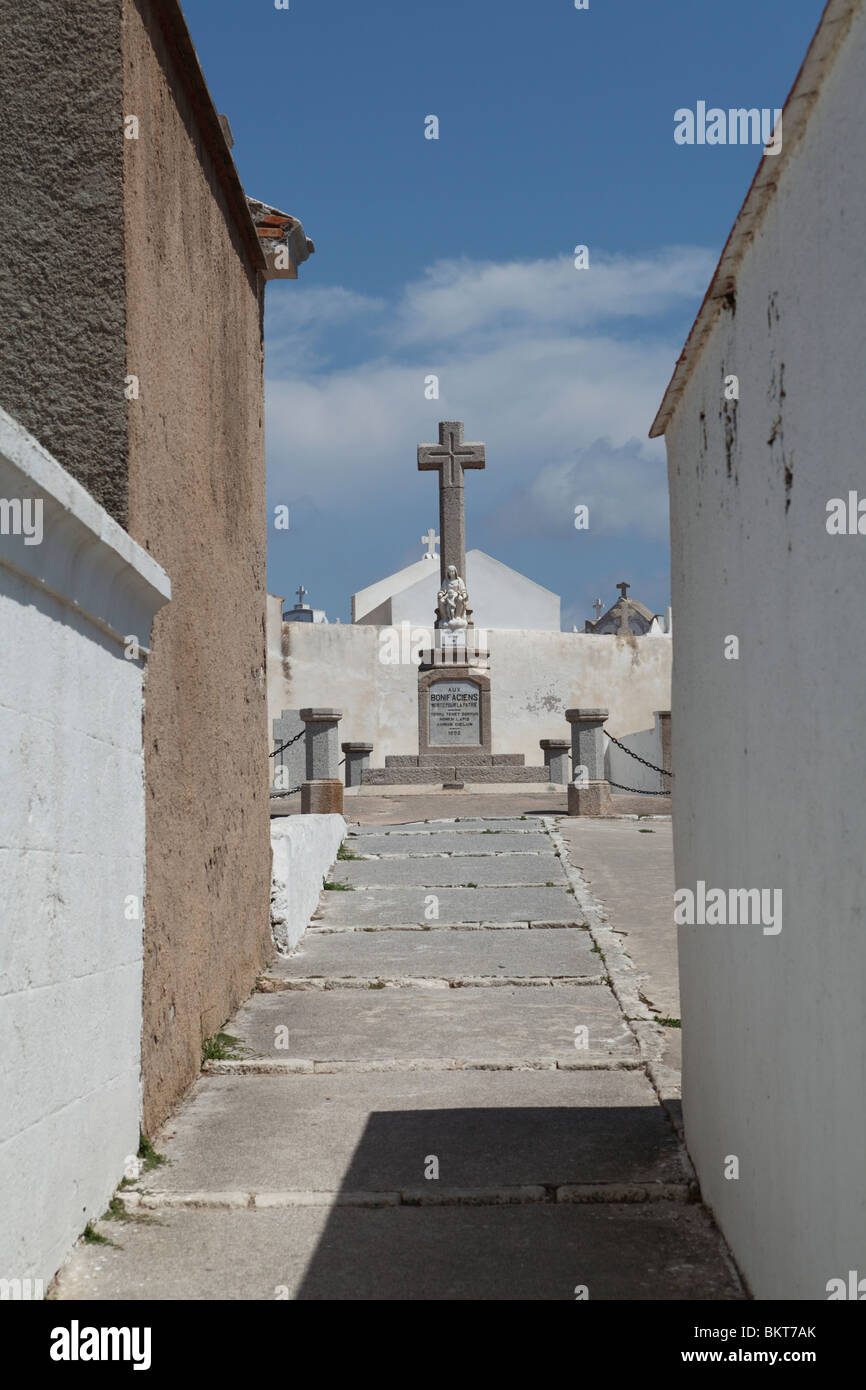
(288, 743)
(279, 791)
(663, 770)
(639, 791)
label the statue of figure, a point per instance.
(453, 606)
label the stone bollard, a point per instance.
(556, 758)
(322, 792)
(589, 797)
(322, 796)
(664, 718)
(357, 758)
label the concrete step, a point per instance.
(371, 1133)
(557, 953)
(451, 756)
(438, 1029)
(452, 772)
(528, 1251)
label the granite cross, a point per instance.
(430, 541)
(450, 457)
(623, 588)
(302, 594)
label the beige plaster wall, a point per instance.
(535, 677)
(197, 503)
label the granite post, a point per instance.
(664, 718)
(357, 758)
(322, 792)
(556, 758)
(588, 791)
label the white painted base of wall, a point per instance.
(304, 848)
(72, 846)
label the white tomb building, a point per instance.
(302, 612)
(502, 598)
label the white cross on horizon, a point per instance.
(430, 541)
(599, 608)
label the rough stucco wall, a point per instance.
(61, 236)
(197, 502)
(535, 677)
(768, 750)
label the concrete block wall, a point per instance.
(304, 848)
(72, 845)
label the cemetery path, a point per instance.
(457, 1087)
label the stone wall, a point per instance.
(535, 677)
(197, 502)
(62, 361)
(304, 848)
(768, 749)
(71, 858)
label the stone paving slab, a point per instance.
(562, 951)
(509, 1024)
(629, 865)
(372, 1133)
(397, 906)
(454, 842)
(659, 1252)
(513, 823)
(487, 870)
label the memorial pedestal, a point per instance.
(454, 711)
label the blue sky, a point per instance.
(455, 257)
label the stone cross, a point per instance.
(449, 458)
(430, 541)
(302, 594)
(623, 588)
(599, 608)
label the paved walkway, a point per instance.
(451, 1090)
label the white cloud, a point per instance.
(559, 399)
(318, 306)
(624, 488)
(456, 298)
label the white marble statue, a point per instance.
(453, 601)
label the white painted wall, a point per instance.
(304, 848)
(769, 750)
(366, 600)
(535, 677)
(71, 851)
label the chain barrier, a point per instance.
(638, 791)
(288, 743)
(663, 770)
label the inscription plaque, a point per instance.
(455, 713)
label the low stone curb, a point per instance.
(269, 1066)
(568, 1194)
(271, 985)
(343, 927)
